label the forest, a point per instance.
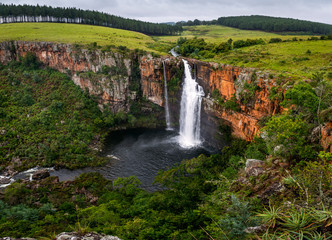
(74, 15)
(268, 24)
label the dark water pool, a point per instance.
(141, 153)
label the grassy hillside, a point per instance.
(215, 33)
(300, 58)
(74, 33)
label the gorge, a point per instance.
(116, 88)
(61, 102)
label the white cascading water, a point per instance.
(190, 112)
(167, 114)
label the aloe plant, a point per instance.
(301, 222)
(270, 216)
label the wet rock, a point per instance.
(88, 236)
(4, 180)
(40, 174)
(254, 167)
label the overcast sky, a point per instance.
(178, 10)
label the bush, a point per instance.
(287, 137)
(303, 97)
(29, 61)
(275, 40)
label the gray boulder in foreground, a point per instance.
(73, 236)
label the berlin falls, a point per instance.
(190, 112)
(167, 114)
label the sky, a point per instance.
(184, 10)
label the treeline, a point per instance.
(199, 49)
(28, 13)
(267, 24)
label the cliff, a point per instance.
(232, 82)
(117, 78)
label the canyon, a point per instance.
(113, 77)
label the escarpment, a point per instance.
(117, 78)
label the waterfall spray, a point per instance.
(190, 112)
(167, 114)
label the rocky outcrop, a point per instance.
(326, 140)
(229, 81)
(40, 174)
(254, 167)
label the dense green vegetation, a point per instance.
(87, 17)
(40, 126)
(203, 199)
(47, 120)
(268, 24)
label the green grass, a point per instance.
(216, 33)
(292, 58)
(74, 33)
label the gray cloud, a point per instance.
(177, 10)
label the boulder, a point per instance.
(256, 229)
(4, 180)
(88, 236)
(40, 174)
(254, 167)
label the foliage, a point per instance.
(49, 122)
(275, 24)
(303, 97)
(232, 104)
(288, 137)
(237, 218)
(247, 43)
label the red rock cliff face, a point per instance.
(83, 65)
(230, 81)
(326, 141)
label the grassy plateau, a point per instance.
(74, 33)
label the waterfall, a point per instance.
(190, 112)
(167, 114)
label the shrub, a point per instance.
(237, 219)
(303, 97)
(275, 40)
(287, 137)
(29, 61)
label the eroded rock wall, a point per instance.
(82, 65)
(113, 88)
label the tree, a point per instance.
(287, 137)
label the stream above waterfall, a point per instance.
(141, 153)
